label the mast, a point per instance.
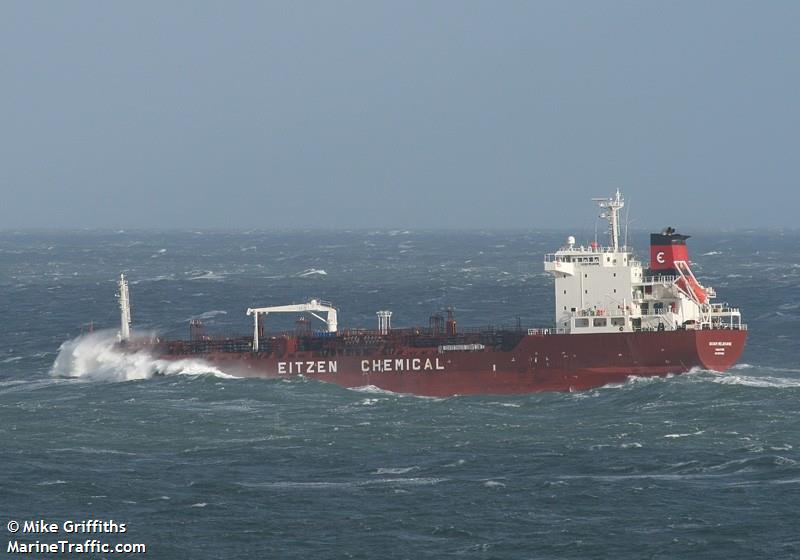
(124, 309)
(614, 205)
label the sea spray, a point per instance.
(97, 357)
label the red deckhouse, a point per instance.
(613, 319)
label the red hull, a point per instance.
(549, 362)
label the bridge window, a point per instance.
(599, 322)
(617, 321)
(581, 323)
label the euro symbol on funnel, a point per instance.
(660, 257)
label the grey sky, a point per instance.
(403, 114)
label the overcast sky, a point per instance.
(397, 114)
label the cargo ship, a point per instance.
(614, 318)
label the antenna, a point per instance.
(614, 205)
(627, 222)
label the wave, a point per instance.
(208, 314)
(749, 381)
(96, 357)
(312, 272)
(209, 275)
(675, 436)
(322, 485)
(396, 470)
(373, 390)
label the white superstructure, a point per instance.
(606, 289)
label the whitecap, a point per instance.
(396, 470)
(330, 485)
(763, 382)
(372, 390)
(742, 366)
(311, 272)
(422, 481)
(209, 275)
(208, 314)
(675, 436)
(509, 405)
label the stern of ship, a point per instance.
(719, 349)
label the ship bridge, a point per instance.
(606, 289)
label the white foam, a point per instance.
(208, 314)
(396, 470)
(209, 275)
(97, 357)
(372, 390)
(317, 485)
(747, 381)
(312, 272)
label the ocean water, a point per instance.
(201, 465)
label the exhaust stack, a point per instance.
(384, 321)
(666, 248)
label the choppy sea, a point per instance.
(201, 465)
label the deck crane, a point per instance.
(312, 307)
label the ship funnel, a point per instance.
(667, 248)
(384, 321)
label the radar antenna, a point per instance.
(613, 206)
